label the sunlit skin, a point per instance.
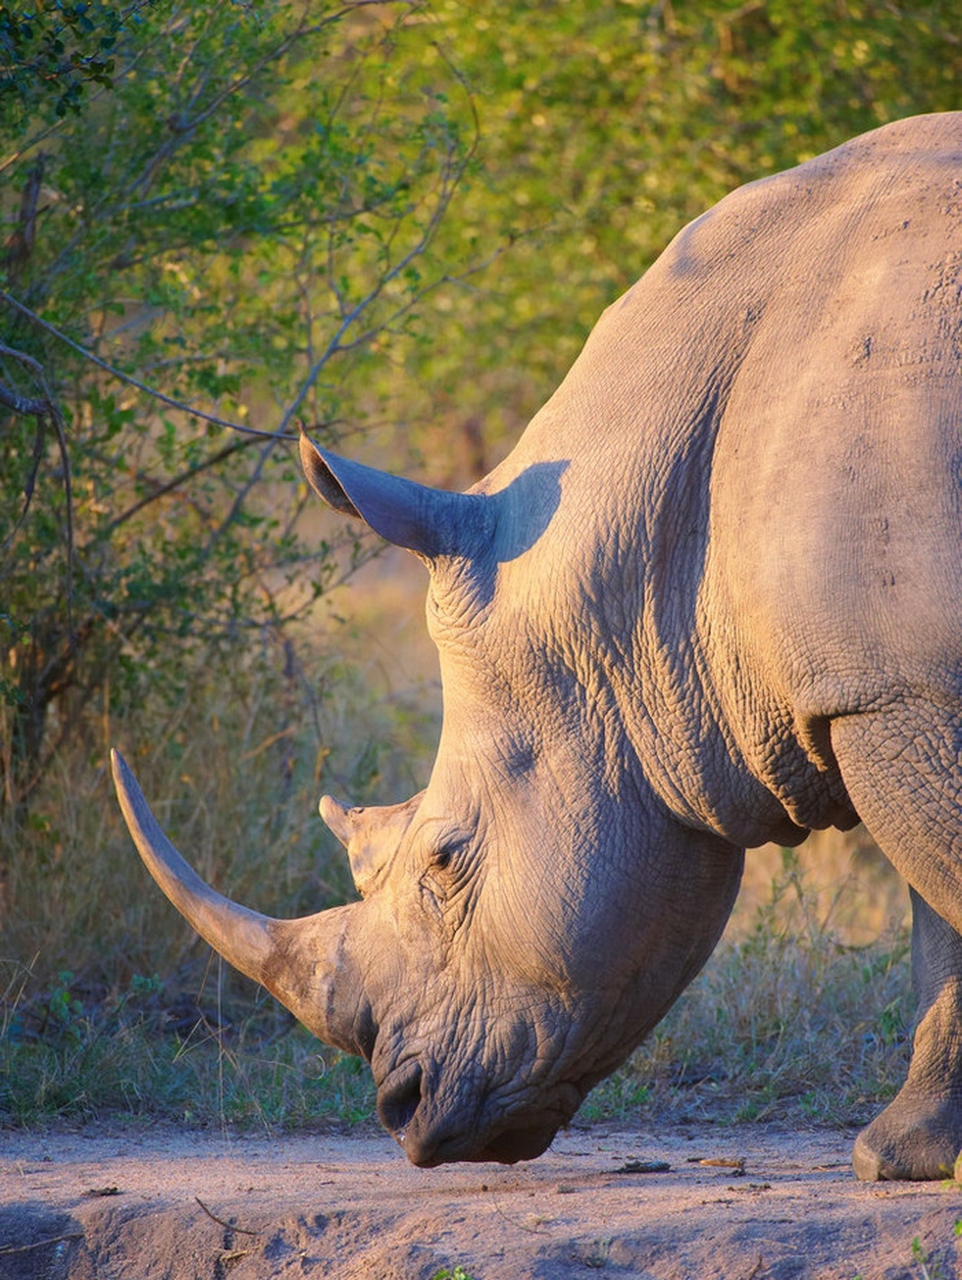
(712, 599)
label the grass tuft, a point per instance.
(788, 1020)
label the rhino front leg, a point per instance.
(919, 1134)
(901, 769)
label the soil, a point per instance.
(162, 1204)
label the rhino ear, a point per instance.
(428, 521)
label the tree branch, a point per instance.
(24, 406)
(169, 485)
(134, 382)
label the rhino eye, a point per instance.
(441, 858)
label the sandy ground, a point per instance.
(183, 1206)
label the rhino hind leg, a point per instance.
(907, 788)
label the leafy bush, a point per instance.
(216, 243)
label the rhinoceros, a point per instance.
(712, 599)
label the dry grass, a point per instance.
(110, 1005)
(234, 771)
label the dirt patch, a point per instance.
(180, 1206)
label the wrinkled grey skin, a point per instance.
(713, 598)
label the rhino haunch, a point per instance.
(713, 598)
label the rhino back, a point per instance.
(835, 561)
(760, 506)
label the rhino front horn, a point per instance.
(296, 960)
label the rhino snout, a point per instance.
(430, 1133)
(399, 1098)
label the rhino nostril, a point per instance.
(399, 1100)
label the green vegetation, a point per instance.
(395, 222)
(131, 1056)
(54, 52)
(746, 1042)
(930, 1264)
(238, 233)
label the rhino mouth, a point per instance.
(477, 1130)
(427, 1147)
(519, 1144)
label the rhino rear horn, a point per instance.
(370, 835)
(430, 522)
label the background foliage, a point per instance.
(601, 137)
(395, 222)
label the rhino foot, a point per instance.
(915, 1139)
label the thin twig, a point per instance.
(220, 456)
(26, 406)
(42, 1244)
(756, 1268)
(44, 410)
(35, 367)
(244, 1231)
(253, 479)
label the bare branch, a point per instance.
(24, 406)
(44, 409)
(134, 382)
(40, 1244)
(35, 367)
(451, 174)
(188, 474)
(266, 450)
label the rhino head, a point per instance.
(527, 918)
